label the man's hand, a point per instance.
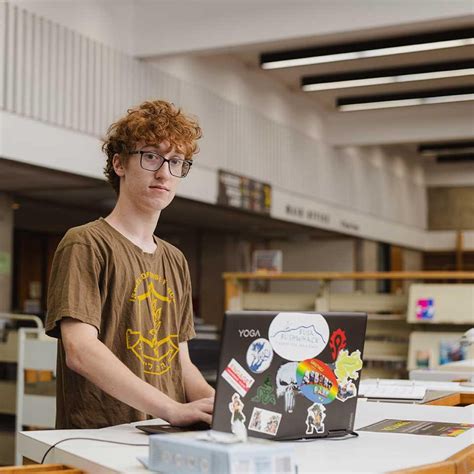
(184, 414)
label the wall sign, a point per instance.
(244, 193)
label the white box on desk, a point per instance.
(184, 454)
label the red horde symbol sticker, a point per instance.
(337, 342)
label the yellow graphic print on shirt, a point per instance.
(155, 353)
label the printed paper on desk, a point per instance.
(416, 427)
(239, 379)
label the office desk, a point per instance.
(371, 452)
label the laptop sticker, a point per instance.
(316, 381)
(315, 418)
(237, 419)
(259, 355)
(337, 342)
(265, 394)
(238, 378)
(348, 366)
(298, 336)
(287, 384)
(265, 421)
(346, 390)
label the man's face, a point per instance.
(150, 190)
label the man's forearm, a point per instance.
(195, 385)
(101, 367)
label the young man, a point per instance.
(119, 298)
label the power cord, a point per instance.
(88, 439)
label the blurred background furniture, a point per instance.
(395, 320)
(27, 383)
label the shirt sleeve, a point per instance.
(74, 287)
(186, 331)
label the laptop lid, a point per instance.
(289, 375)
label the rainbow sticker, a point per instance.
(316, 381)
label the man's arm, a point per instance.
(89, 357)
(195, 385)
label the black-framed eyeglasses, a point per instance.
(152, 161)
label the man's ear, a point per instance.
(118, 165)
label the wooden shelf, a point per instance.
(385, 358)
(350, 276)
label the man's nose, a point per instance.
(164, 170)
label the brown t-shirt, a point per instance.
(139, 302)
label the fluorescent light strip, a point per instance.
(329, 58)
(387, 80)
(386, 104)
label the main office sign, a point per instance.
(244, 193)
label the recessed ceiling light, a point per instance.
(368, 49)
(384, 101)
(447, 148)
(387, 76)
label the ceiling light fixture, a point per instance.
(368, 49)
(447, 148)
(384, 101)
(387, 76)
(455, 158)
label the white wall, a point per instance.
(315, 256)
(293, 155)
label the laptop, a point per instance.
(289, 375)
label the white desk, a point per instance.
(371, 452)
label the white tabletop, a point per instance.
(371, 452)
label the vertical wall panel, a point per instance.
(98, 85)
(61, 77)
(37, 68)
(21, 62)
(82, 83)
(44, 70)
(104, 87)
(28, 64)
(76, 75)
(68, 78)
(53, 73)
(111, 86)
(89, 116)
(10, 58)
(3, 52)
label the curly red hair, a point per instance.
(151, 122)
